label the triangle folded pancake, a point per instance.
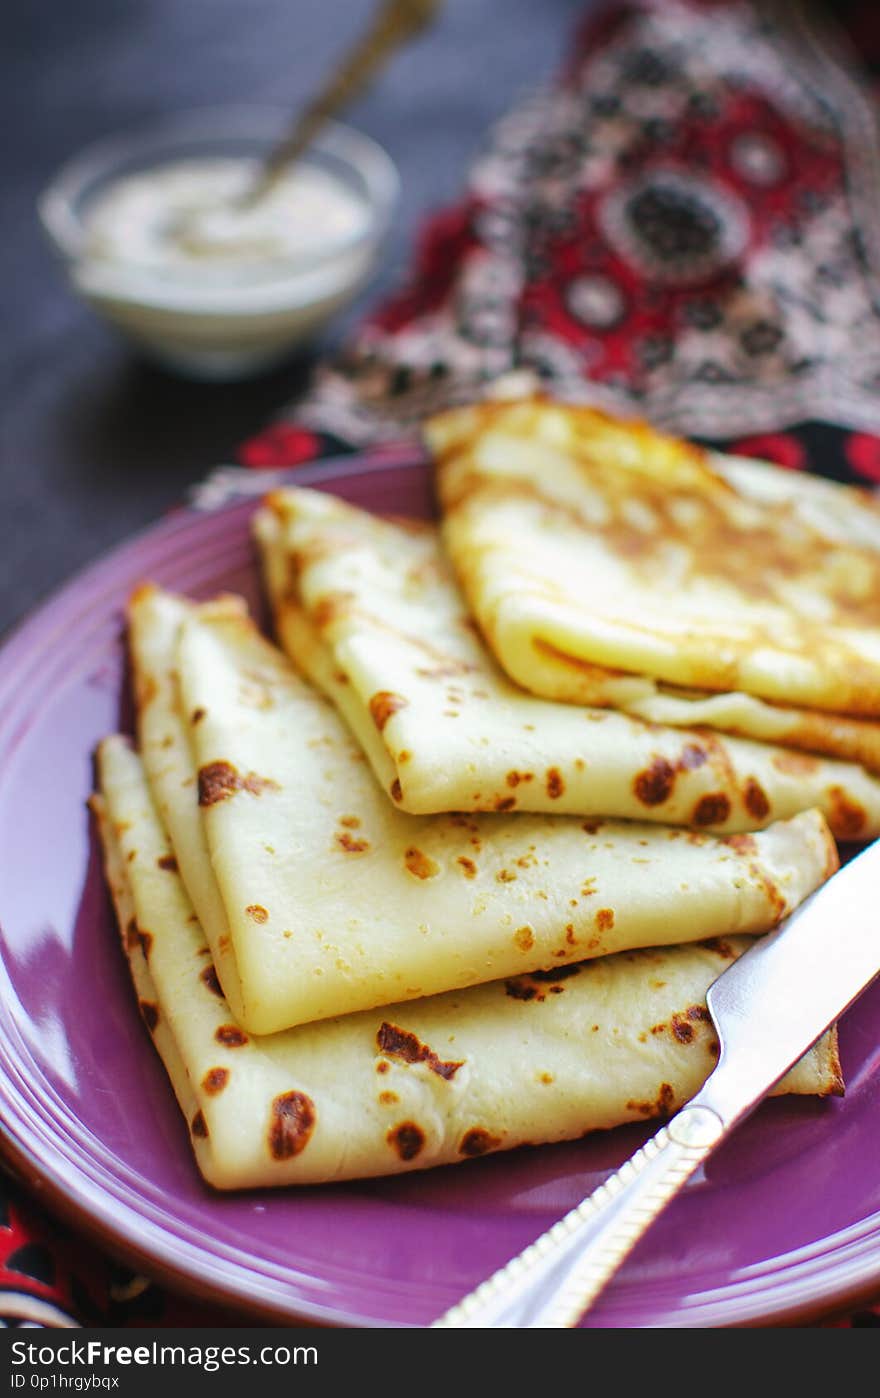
(332, 900)
(606, 563)
(154, 621)
(532, 1059)
(370, 611)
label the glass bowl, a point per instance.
(203, 321)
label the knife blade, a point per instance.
(784, 992)
(769, 1007)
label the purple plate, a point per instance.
(783, 1224)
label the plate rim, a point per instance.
(18, 1159)
(119, 1230)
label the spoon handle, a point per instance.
(394, 22)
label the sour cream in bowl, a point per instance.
(157, 240)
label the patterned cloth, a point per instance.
(688, 227)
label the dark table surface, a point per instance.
(95, 443)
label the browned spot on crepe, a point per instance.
(555, 784)
(215, 1080)
(682, 1029)
(477, 1141)
(403, 1044)
(291, 1124)
(419, 864)
(208, 977)
(407, 1139)
(536, 985)
(218, 781)
(654, 785)
(383, 705)
(661, 1106)
(713, 809)
(350, 844)
(846, 817)
(230, 1036)
(755, 798)
(505, 803)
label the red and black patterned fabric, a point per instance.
(686, 226)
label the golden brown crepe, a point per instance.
(370, 611)
(321, 897)
(534, 1058)
(609, 564)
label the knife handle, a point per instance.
(555, 1279)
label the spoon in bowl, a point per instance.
(394, 23)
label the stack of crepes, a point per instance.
(452, 870)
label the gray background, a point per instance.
(96, 444)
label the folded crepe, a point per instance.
(531, 1059)
(154, 621)
(609, 564)
(320, 897)
(370, 611)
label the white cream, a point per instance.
(217, 290)
(183, 216)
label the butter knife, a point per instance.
(769, 1008)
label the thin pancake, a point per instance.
(411, 1085)
(154, 621)
(601, 557)
(371, 613)
(337, 901)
